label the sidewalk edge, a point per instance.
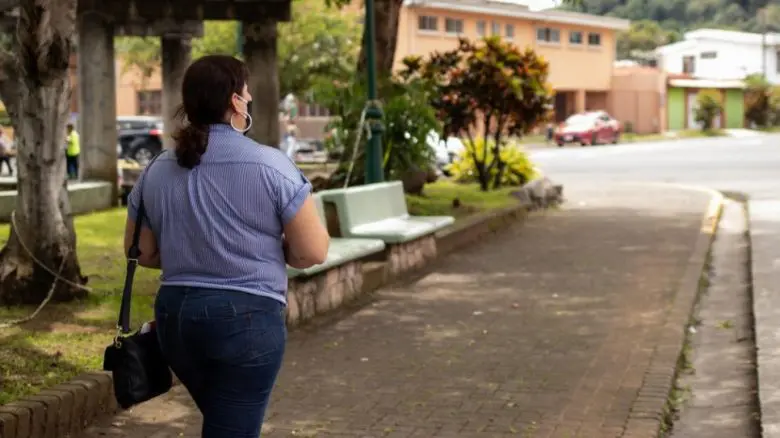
(649, 411)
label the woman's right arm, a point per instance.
(306, 239)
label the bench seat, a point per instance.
(340, 251)
(402, 229)
(379, 211)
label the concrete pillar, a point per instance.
(579, 101)
(176, 57)
(260, 55)
(97, 98)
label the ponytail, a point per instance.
(191, 141)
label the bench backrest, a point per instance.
(320, 208)
(367, 204)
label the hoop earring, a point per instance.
(248, 123)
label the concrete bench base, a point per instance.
(85, 197)
(410, 256)
(323, 292)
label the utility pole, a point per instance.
(762, 22)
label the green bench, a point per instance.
(378, 211)
(340, 251)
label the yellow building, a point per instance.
(581, 48)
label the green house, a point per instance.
(681, 101)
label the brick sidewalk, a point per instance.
(544, 331)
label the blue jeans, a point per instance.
(226, 347)
(72, 162)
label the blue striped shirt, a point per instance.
(220, 224)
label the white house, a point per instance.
(723, 54)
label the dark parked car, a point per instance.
(140, 137)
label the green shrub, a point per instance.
(757, 105)
(708, 106)
(517, 167)
(773, 106)
(491, 84)
(408, 119)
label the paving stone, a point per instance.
(542, 331)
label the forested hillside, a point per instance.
(658, 22)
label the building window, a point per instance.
(548, 35)
(426, 22)
(495, 28)
(149, 102)
(594, 39)
(689, 64)
(575, 37)
(481, 28)
(708, 55)
(509, 31)
(452, 25)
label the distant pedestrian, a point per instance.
(72, 152)
(549, 132)
(5, 153)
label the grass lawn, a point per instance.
(635, 138)
(67, 339)
(697, 133)
(437, 199)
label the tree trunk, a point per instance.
(260, 42)
(386, 20)
(38, 103)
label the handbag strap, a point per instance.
(123, 323)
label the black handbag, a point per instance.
(139, 369)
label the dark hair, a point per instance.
(207, 89)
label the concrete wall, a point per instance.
(636, 97)
(735, 109)
(676, 109)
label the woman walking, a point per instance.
(224, 215)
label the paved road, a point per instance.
(748, 165)
(544, 331)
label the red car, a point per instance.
(588, 129)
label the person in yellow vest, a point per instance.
(72, 152)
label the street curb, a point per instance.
(69, 408)
(650, 410)
(763, 277)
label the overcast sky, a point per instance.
(539, 4)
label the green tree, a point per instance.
(709, 106)
(642, 39)
(409, 120)
(684, 15)
(489, 89)
(36, 92)
(320, 44)
(144, 55)
(757, 96)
